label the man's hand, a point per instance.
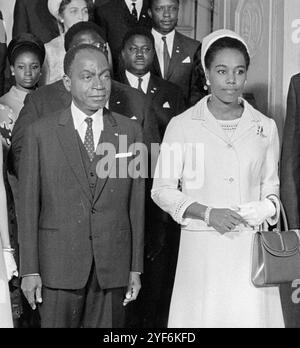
(133, 288)
(32, 289)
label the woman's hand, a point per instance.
(225, 220)
(11, 267)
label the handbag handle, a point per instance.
(284, 219)
(283, 215)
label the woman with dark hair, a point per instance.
(26, 55)
(67, 13)
(225, 155)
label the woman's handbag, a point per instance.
(276, 256)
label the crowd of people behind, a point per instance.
(82, 249)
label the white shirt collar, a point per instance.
(138, 5)
(134, 80)
(81, 126)
(159, 46)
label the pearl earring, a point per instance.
(208, 82)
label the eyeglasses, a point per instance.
(101, 45)
(136, 50)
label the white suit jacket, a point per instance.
(213, 169)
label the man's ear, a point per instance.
(67, 83)
(149, 13)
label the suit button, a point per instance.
(231, 180)
(90, 238)
(229, 146)
(93, 211)
(92, 174)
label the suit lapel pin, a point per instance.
(116, 134)
(118, 102)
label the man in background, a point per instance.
(174, 51)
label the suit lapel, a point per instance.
(156, 67)
(247, 122)
(69, 143)
(153, 88)
(109, 135)
(177, 55)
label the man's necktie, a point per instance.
(134, 11)
(89, 138)
(166, 57)
(140, 84)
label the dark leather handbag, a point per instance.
(276, 256)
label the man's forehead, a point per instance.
(87, 57)
(87, 36)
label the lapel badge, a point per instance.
(116, 134)
(118, 102)
(260, 130)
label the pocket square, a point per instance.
(123, 155)
(133, 118)
(187, 60)
(166, 105)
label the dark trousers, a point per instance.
(291, 310)
(90, 307)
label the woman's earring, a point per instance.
(207, 82)
(13, 74)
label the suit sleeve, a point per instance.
(290, 160)
(20, 24)
(27, 116)
(169, 172)
(137, 201)
(28, 212)
(270, 179)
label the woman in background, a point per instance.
(26, 55)
(67, 13)
(226, 159)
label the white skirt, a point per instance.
(213, 288)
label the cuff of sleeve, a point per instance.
(181, 209)
(273, 220)
(30, 275)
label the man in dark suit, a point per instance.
(137, 57)
(116, 17)
(162, 234)
(174, 51)
(290, 186)
(33, 16)
(48, 99)
(81, 253)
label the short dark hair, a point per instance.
(82, 27)
(72, 53)
(151, 3)
(223, 43)
(140, 31)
